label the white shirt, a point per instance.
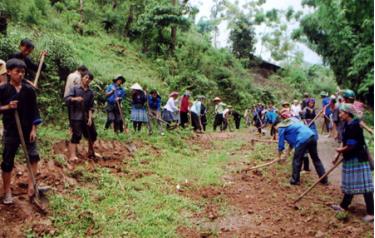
(196, 108)
(73, 79)
(171, 105)
(295, 110)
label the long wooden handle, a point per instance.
(264, 165)
(316, 117)
(122, 116)
(39, 70)
(367, 128)
(24, 148)
(321, 178)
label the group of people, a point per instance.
(294, 123)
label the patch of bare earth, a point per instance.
(259, 203)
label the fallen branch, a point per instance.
(338, 161)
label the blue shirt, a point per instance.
(326, 102)
(154, 104)
(119, 92)
(271, 117)
(295, 134)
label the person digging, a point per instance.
(356, 172)
(80, 101)
(18, 96)
(302, 139)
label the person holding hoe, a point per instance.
(170, 111)
(302, 139)
(138, 110)
(16, 96)
(195, 111)
(356, 172)
(154, 104)
(219, 113)
(26, 47)
(80, 101)
(115, 94)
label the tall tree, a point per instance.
(345, 42)
(242, 37)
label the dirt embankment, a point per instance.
(61, 177)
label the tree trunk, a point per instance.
(129, 21)
(173, 32)
(114, 4)
(3, 25)
(81, 11)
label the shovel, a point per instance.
(37, 198)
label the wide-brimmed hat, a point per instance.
(324, 94)
(229, 106)
(3, 67)
(119, 77)
(217, 99)
(174, 93)
(285, 103)
(136, 86)
(201, 97)
(187, 93)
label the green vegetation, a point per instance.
(346, 43)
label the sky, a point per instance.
(310, 56)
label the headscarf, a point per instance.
(285, 113)
(348, 108)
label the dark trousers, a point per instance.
(114, 117)
(306, 163)
(219, 121)
(369, 200)
(309, 146)
(237, 121)
(195, 122)
(326, 123)
(184, 118)
(137, 125)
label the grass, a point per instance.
(107, 205)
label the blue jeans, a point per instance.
(311, 147)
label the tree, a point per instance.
(242, 37)
(345, 43)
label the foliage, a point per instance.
(242, 36)
(346, 43)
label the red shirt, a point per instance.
(184, 104)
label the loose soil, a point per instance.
(248, 204)
(260, 204)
